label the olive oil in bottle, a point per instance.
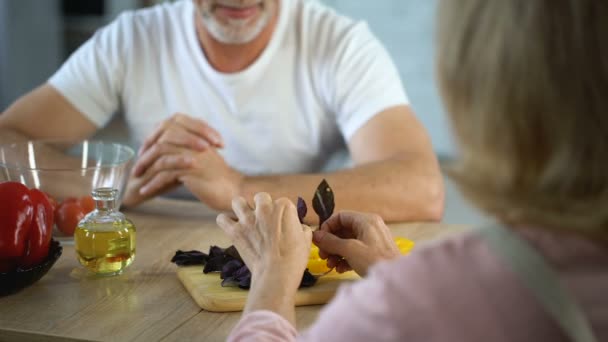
(105, 238)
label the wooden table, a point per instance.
(147, 302)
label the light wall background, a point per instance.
(406, 27)
(30, 45)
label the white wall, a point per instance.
(31, 42)
(3, 53)
(115, 7)
(406, 27)
(30, 45)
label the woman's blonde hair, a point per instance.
(526, 86)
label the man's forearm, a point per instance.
(9, 135)
(397, 190)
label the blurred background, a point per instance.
(36, 36)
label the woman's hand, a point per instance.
(270, 238)
(356, 241)
(275, 247)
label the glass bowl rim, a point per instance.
(128, 149)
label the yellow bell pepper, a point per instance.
(317, 266)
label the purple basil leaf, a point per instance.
(308, 279)
(232, 252)
(233, 270)
(323, 202)
(245, 282)
(230, 268)
(215, 264)
(215, 251)
(302, 209)
(243, 276)
(242, 272)
(230, 282)
(189, 258)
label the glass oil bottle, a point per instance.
(105, 238)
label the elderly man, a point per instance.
(230, 97)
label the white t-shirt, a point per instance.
(319, 80)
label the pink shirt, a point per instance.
(452, 290)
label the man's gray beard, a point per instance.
(236, 31)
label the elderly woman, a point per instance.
(526, 85)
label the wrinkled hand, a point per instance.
(270, 239)
(165, 154)
(356, 241)
(180, 130)
(211, 180)
(163, 174)
(205, 174)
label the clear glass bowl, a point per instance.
(65, 170)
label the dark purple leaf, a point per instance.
(215, 251)
(230, 267)
(189, 258)
(242, 272)
(230, 282)
(302, 209)
(215, 264)
(323, 202)
(308, 279)
(232, 252)
(243, 277)
(233, 270)
(245, 282)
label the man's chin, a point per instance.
(236, 32)
(233, 38)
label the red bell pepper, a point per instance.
(16, 214)
(39, 239)
(26, 223)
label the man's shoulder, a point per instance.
(319, 18)
(320, 12)
(321, 28)
(155, 18)
(142, 31)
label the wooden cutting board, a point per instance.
(207, 292)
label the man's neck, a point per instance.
(231, 58)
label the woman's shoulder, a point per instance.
(470, 253)
(453, 251)
(461, 283)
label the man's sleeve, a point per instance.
(363, 80)
(92, 78)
